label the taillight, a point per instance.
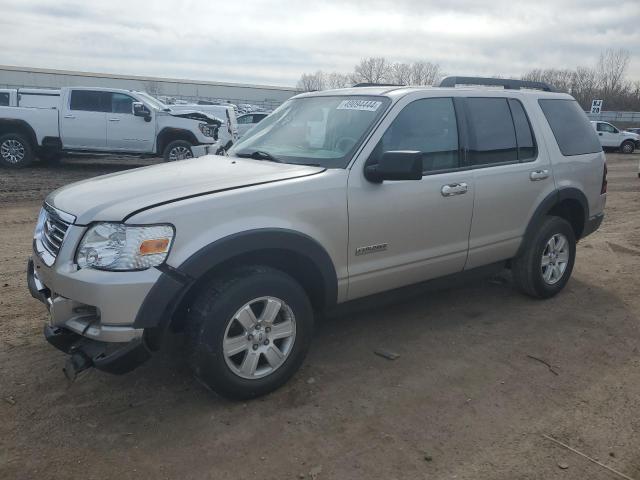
(603, 190)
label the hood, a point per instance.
(635, 136)
(113, 197)
(196, 115)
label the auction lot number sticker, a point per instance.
(364, 105)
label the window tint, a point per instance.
(258, 117)
(570, 126)
(527, 150)
(90, 101)
(121, 103)
(428, 126)
(605, 127)
(4, 99)
(245, 120)
(492, 136)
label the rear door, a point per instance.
(511, 175)
(125, 131)
(83, 124)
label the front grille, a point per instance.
(53, 231)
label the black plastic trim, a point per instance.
(592, 224)
(506, 83)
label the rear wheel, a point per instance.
(546, 265)
(15, 151)
(249, 331)
(177, 150)
(627, 146)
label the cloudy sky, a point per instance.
(273, 42)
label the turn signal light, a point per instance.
(154, 246)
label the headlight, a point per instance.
(208, 130)
(115, 246)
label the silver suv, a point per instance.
(335, 196)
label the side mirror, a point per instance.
(141, 110)
(396, 165)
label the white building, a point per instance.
(264, 96)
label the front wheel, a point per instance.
(249, 331)
(546, 265)
(627, 147)
(177, 150)
(15, 151)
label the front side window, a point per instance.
(492, 135)
(316, 130)
(605, 127)
(90, 101)
(121, 103)
(428, 126)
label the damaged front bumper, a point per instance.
(75, 328)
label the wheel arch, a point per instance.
(169, 134)
(568, 203)
(19, 127)
(294, 253)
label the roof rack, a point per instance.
(507, 83)
(366, 84)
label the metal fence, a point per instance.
(620, 117)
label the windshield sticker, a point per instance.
(364, 105)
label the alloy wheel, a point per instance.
(12, 151)
(555, 258)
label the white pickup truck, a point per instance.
(104, 120)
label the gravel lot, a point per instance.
(464, 400)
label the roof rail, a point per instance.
(507, 83)
(367, 84)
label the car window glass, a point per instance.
(428, 126)
(524, 135)
(492, 136)
(570, 127)
(244, 120)
(121, 103)
(90, 101)
(4, 99)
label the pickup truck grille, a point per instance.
(53, 231)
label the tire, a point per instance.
(177, 150)
(530, 275)
(627, 147)
(213, 316)
(15, 151)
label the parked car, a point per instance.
(611, 137)
(396, 186)
(102, 120)
(247, 121)
(633, 130)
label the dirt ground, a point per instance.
(463, 401)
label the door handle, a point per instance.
(114, 119)
(69, 116)
(600, 133)
(538, 175)
(454, 189)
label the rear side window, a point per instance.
(492, 135)
(90, 101)
(4, 99)
(570, 126)
(527, 150)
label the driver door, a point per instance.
(609, 135)
(403, 232)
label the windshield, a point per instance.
(321, 131)
(155, 103)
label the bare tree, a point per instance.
(337, 80)
(424, 73)
(611, 67)
(585, 85)
(311, 82)
(400, 73)
(561, 79)
(371, 70)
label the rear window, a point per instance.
(570, 126)
(90, 101)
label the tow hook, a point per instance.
(77, 362)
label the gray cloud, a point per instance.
(274, 42)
